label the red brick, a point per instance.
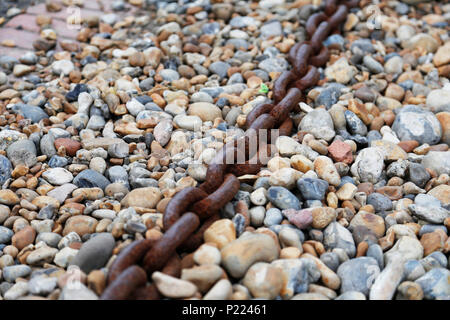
(12, 52)
(62, 29)
(63, 14)
(26, 21)
(24, 39)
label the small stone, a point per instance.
(57, 176)
(340, 71)
(414, 123)
(368, 165)
(91, 179)
(340, 152)
(142, 197)
(172, 287)
(358, 274)
(80, 224)
(263, 280)
(282, 198)
(336, 236)
(435, 283)
(326, 170)
(24, 237)
(22, 152)
(221, 232)
(240, 254)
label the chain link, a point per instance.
(192, 210)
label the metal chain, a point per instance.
(192, 210)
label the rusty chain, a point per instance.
(192, 210)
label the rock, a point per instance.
(414, 123)
(42, 285)
(394, 65)
(16, 291)
(340, 71)
(405, 248)
(312, 189)
(340, 152)
(413, 270)
(336, 236)
(355, 124)
(80, 224)
(23, 238)
(319, 123)
(273, 65)
(444, 119)
(442, 55)
(221, 232)
(442, 193)
(435, 284)
(34, 113)
(172, 287)
(5, 169)
(371, 221)
(77, 291)
(205, 111)
(207, 254)
(94, 253)
(322, 217)
(203, 277)
(282, 198)
(429, 214)
(8, 197)
(326, 170)
(358, 274)
(91, 179)
(222, 290)
(22, 152)
(11, 273)
(263, 280)
(302, 219)
(41, 256)
(380, 202)
(63, 67)
(386, 283)
(57, 176)
(391, 151)
(288, 147)
(423, 41)
(351, 295)
(119, 150)
(142, 197)
(240, 254)
(437, 161)
(61, 193)
(64, 257)
(163, 131)
(368, 165)
(346, 192)
(418, 175)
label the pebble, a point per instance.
(58, 176)
(11, 273)
(414, 123)
(240, 254)
(368, 165)
(172, 287)
(91, 179)
(263, 280)
(282, 198)
(336, 236)
(435, 283)
(358, 274)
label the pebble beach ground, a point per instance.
(101, 126)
